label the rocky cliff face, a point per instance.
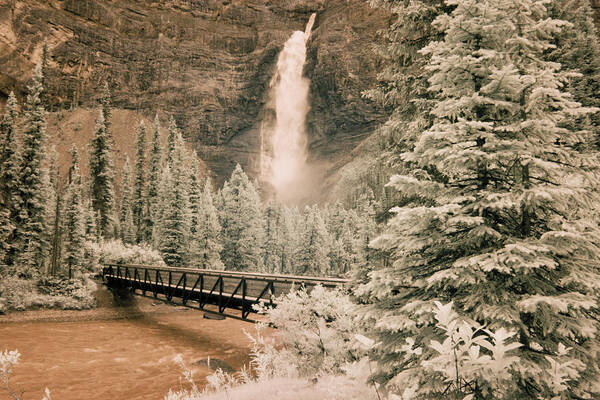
(208, 63)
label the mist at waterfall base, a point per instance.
(284, 143)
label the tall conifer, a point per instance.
(502, 225)
(75, 234)
(31, 224)
(102, 179)
(139, 189)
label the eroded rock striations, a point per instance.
(206, 62)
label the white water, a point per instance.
(283, 165)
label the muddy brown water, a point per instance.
(121, 351)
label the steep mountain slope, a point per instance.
(208, 63)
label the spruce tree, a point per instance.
(10, 165)
(91, 228)
(139, 189)
(206, 237)
(502, 227)
(75, 230)
(102, 179)
(273, 236)
(106, 105)
(313, 255)
(290, 230)
(171, 139)
(243, 232)
(155, 161)
(194, 193)
(31, 223)
(126, 214)
(174, 230)
(578, 50)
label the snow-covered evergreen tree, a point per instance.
(402, 83)
(126, 214)
(174, 230)
(75, 234)
(91, 228)
(578, 50)
(10, 165)
(102, 179)
(139, 189)
(243, 232)
(313, 255)
(171, 139)
(194, 193)
(31, 227)
(106, 105)
(272, 250)
(290, 230)
(155, 160)
(206, 238)
(503, 222)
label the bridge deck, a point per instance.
(225, 289)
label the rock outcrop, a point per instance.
(208, 63)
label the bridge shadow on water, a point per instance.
(170, 320)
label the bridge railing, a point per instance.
(225, 289)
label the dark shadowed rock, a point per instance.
(215, 364)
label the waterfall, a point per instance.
(284, 153)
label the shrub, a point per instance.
(116, 252)
(316, 335)
(47, 292)
(8, 360)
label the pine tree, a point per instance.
(272, 248)
(206, 237)
(578, 50)
(153, 181)
(502, 226)
(402, 83)
(106, 105)
(194, 193)
(126, 215)
(102, 179)
(75, 230)
(174, 230)
(290, 231)
(91, 228)
(171, 139)
(31, 225)
(313, 255)
(10, 166)
(243, 233)
(139, 190)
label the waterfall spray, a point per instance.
(284, 154)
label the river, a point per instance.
(117, 352)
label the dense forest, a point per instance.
(474, 267)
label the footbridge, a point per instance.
(229, 291)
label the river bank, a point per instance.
(119, 350)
